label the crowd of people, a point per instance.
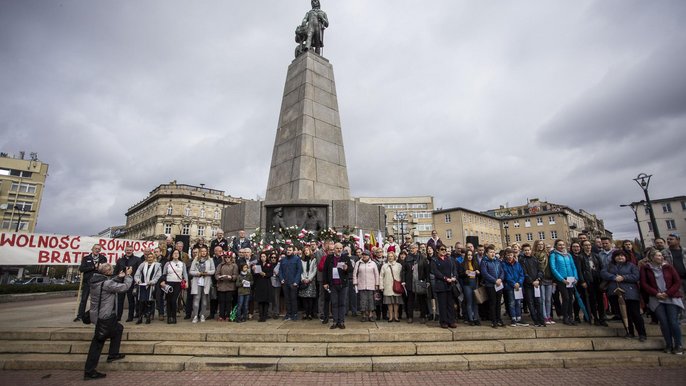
(583, 282)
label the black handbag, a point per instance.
(105, 327)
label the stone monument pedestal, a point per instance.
(308, 178)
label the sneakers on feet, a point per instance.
(195, 319)
(202, 318)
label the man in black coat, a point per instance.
(220, 241)
(335, 277)
(240, 242)
(89, 265)
(133, 261)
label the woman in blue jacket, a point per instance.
(514, 281)
(564, 271)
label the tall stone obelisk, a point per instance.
(308, 178)
(308, 161)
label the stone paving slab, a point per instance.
(370, 349)
(340, 365)
(249, 336)
(605, 344)
(283, 349)
(335, 336)
(209, 349)
(460, 347)
(513, 361)
(27, 334)
(126, 347)
(32, 346)
(236, 363)
(421, 363)
(547, 345)
(605, 359)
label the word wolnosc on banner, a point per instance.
(39, 249)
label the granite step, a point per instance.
(321, 334)
(354, 364)
(380, 349)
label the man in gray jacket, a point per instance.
(103, 305)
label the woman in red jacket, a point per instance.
(662, 284)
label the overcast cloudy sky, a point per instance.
(478, 103)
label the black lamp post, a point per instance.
(401, 216)
(506, 226)
(21, 213)
(643, 180)
(640, 232)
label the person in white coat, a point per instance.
(145, 279)
(202, 270)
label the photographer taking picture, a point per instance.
(103, 313)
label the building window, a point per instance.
(170, 210)
(202, 212)
(424, 227)
(201, 230)
(683, 205)
(22, 188)
(527, 223)
(447, 218)
(518, 237)
(647, 210)
(516, 224)
(187, 212)
(530, 237)
(167, 229)
(216, 214)
(539, 221)
(12, 225)
(186, 229)
(551, 220)
(671, 225)
(23, 206)
(507, 239)
(650, 226)
(541, 235)
(553, 235)
(214, 231)
(20, 173)
(449, 234)
(667, 207)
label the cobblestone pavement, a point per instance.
(580, 376)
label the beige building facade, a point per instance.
(456, 224)
(670, 216)
(406, 216)
(540, 220)
(22, 182)
(178, 209)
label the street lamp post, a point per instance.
(21, 213)
(401, 219)
(643, 180)
(640, 232)
(506, 226)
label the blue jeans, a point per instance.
(667, 316)
(514, 305)
(242, 311)
(471, 306)
(546, 301)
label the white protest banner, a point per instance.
(40, 249)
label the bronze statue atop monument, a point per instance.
(310, 33)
